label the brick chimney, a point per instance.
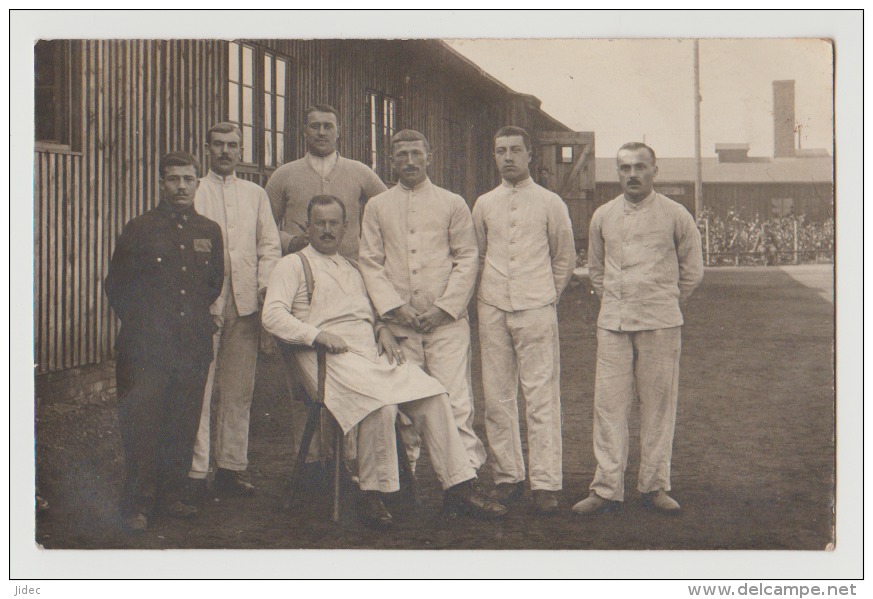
(783, 119)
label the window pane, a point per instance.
(248, 143)
(280, 76)
(233, 61)
(280, 114)
(268, 148)
(247, 106)
(247, 65)
(268, 72)
(280, 148)
(233, 102)
(268, 112)
(567, 154)
(392, 116)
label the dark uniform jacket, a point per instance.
(167, 269)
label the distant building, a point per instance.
(795, 181)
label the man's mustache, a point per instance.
(633, 181)
(326, 236)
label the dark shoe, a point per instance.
(230, 483)
(195, 491)
(595, 504)
(506, 493)
(465, 498)
(137, 523)
(372, 511)
(545, 502)
(660, 502)
(178, 509)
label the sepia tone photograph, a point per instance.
(434, 293)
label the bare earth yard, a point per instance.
(753, 460)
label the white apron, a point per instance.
(359, 381)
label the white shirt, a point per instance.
(251, 238)
(418, 248)
(526, 248)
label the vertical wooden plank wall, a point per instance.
(143, 98)
(140, 99)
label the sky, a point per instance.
(631, 90)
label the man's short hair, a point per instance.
(225, 127)
(633, 146)
(511, 130)
(409, 135)
(324, 200)
(320, 108)
(177, 159)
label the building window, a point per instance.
(53, 93)
(382, 125)
(262, 120)
(566, 156)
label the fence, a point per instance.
(790, 240)
(732, 241)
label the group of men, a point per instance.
(327, 257)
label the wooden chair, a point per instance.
(295, 381)
(315, 406)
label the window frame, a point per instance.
(67, 100)
(378, 147)
(260, 120)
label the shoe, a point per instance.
(137, 523)
(195, 491)
(372, 511)
(178, 509)
(506, 493)
(595, 504)
(660, 502)
(545, 502)
(466, 498)
(230, 483)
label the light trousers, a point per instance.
(233, 372)
(433, 420)
(444, 354)
(647, 361)
(522, 347)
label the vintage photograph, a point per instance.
(435, 293)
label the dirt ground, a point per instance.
(753, 459)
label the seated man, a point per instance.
(368, 377)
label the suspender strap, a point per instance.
(307, 274)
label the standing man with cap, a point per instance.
(645, 259)
(166, 270)
(251, 250)
(419, 260)
(526, 256)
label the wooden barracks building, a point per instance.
(107, 110)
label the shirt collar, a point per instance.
(213, 176)
(418, 187)
(335, 258)
(317, 162)
(644, 203)
(169, 209)
(526, 182)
